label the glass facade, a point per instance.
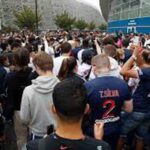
(128, 9)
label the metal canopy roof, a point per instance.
(105, 6)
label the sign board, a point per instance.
(136, 25)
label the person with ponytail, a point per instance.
(69, 69)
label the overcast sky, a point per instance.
(94, 3)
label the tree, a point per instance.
(8, 29)
(64, 21)
(91, 26)
(26, 18)
(80, 24)
(103, 27)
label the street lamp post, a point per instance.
(36, 15)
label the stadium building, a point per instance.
(129, 16)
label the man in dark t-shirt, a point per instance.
(139, 119)
(69, 98)
(54, 142)
(107, 96)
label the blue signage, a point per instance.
(137, 25)
(132, 22)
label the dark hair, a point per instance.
(69, 98)
(108, 40)
(66, 47)
(67, 67)
(85, 43)
(3, 58)
(4, 46)
(11, 40)
(29, 47)
(21, 57)
(125, 43)
(43, 61)
(31, 39)
(87, 56)
(15, 45)
(146, 56)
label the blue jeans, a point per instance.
(135, 121)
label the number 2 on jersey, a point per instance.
(109, 105)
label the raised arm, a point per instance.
(127, 69)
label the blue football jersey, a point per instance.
(141, 96)
(106, 96)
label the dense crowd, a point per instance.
(74, 91)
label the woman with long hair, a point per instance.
(69, 69)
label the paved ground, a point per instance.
(10, 143)
(11, 140)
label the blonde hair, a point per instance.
(120, 53)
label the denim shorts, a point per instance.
(140, 122)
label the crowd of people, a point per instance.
(74, 91)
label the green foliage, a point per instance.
(81, 24)
(103, 27)
(26, 18)
(64, 21)
(91, 26)
(8, 29)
